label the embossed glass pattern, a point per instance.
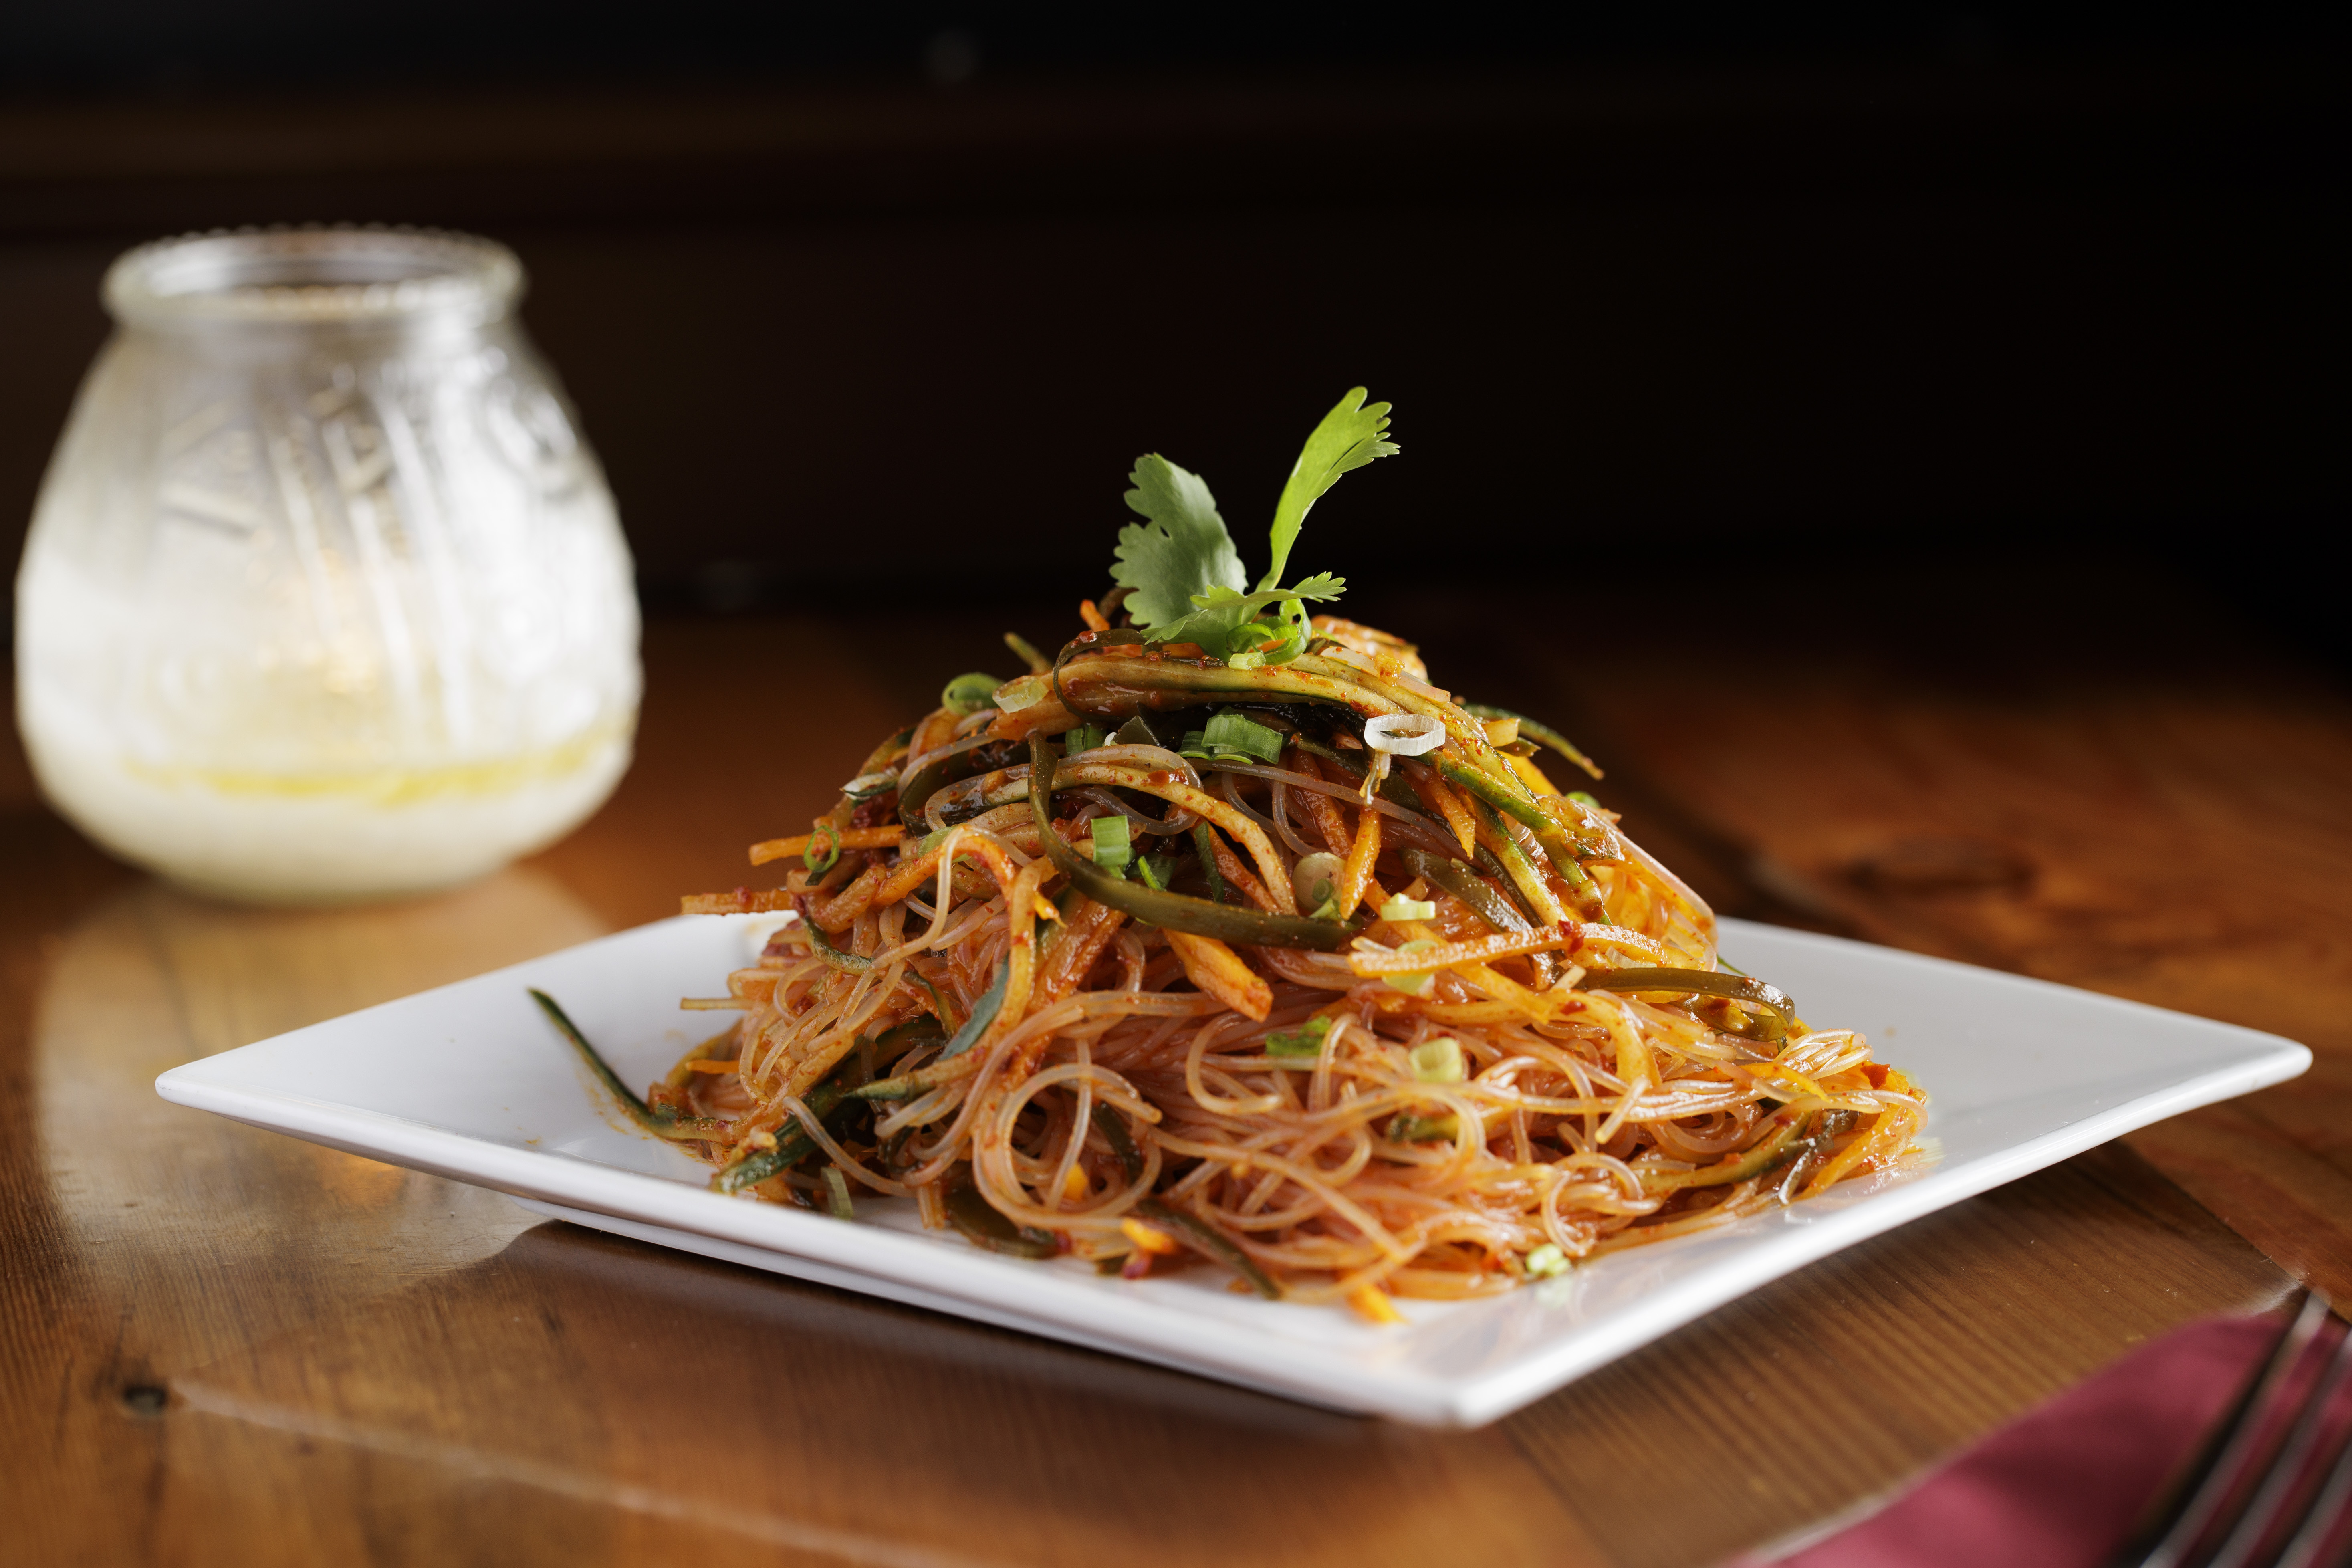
(324, 596)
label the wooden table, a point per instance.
(221, 1345)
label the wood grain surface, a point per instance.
(219, 1345)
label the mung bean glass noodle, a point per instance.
(1223, 936)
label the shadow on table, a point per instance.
(688, 1397)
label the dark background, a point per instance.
(1693, 299)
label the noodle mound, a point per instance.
(1308, 972)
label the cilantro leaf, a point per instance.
(1220, 610)
(1348, 437)
(1181, 551)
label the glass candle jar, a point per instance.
(324, 599)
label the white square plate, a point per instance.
(469, 1081)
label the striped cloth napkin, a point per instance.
(2061, 1486)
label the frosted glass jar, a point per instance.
(324, 599)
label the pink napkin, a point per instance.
(2061, 1486)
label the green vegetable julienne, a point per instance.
(660, 1123)
(983, 1014)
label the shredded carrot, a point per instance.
(1319, 806)
(851, 838)
(852, 900)
(1373, 1304)
(1096, 620)
(711, 1065)
(1357, 874)
(1370, 958)
(742, 901)
(1889, 1134)
(1147, 1238)
(1237, 875)
(1219, 971)
(1437, 794)
(752, 986)
(1074, 1185)
(1529, 774)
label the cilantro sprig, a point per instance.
(1184, 578)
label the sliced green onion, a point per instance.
(1113, 847)
(1412, 985)
(837, 1191)
(1584, 798)
(1293, 643)
(1315, 879)
(1404, 1128)
(1237, 732)
(829, 836)
(1403, 735)
(1399, 908)
(1544, 1262)
(1156, 869)
(1085, 738)
(1195, 745)
(1022, 692)
(968, 694)
(1304, 1043)
(1438, 1061)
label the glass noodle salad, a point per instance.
(1225, 937)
